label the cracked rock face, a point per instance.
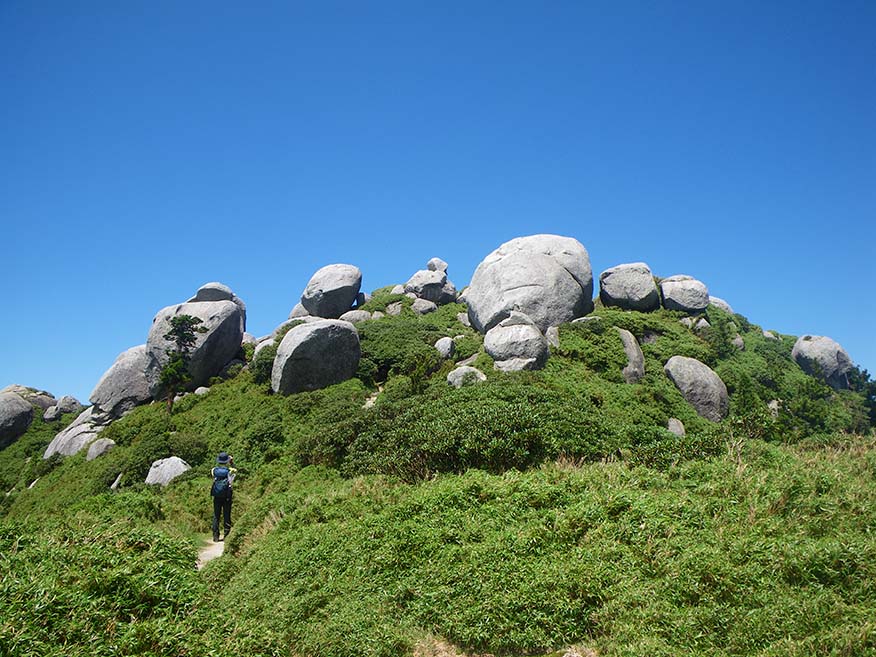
(546, 277)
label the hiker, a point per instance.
(223, 477)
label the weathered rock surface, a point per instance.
(219, 292)
(15, 417)
(213, 349)
(423, 306)
(427, 284)
(66, 404)
(395, 309)
(398, 289)
(81, 432)
(769, 335)
(124, 385)
(315, 355)
(700, 386)
(720, 303)
(298, 311)
(446, 347)
(684, 293)
(552, 335)
(39, 398)
(823, 358)
(465, 375)
(546, 277)
(98, 448)
(516, 344)
(674, 425)
(635, 368)
(163, 471)
(463, 319)
(355, 316)
(332, 291)
(436, 264)
(629, 286)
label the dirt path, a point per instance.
(209, 552)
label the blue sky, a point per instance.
(149, 147)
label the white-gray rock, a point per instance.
(395, 309)
(629, 286)
(516, 344)
(465, 375)
(356, 316)
(202, 390)
(436, 264)
(262, 345)
(98, 448)
(427, 284)
(552, 335)
(739, 343)
(463, 319)
(219, 292)
(687, 321)
(581, 320)
(635, 368)
(398, 289)
(769, 335)
(15, 417)
(81, 432)
(316, 355)
(124, 385)
(720, 303)
(39, 398)
(676, 426)
(701, 325)
(332, 290)
(446, 347)
(448, 294)
(700, 386)
(774, 406)
(547, 277)
(824, 359)
(66, 404)
(163, 471)
(213, 349)
(298, 311)
(423, 306)
(249, 338)
(377, 314)
(684, 293)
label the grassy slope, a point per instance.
(627, 539)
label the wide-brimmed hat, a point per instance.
(223, 457)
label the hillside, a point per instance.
(391, 513)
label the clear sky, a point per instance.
(149, 147)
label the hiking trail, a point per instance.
(209, 551)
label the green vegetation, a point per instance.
(175, 373)
(515, 517)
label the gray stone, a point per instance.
(124, 385)
(465, 375)
(249, 338)
(720, 303)
(81, 432)
(52, 413)
(824, 359)
(436, 264)
(516, 344)
(69, 404)
(39, 398)
(213, 349)
(332, 291)
(463, 319)
(774, 406)
(202, 390)
(15, 417)
(635, 368)
(377, 314)
(298, 311)
(445, 347)
(448, 294)
(219, 292)
(163, 471)
(552, 335)
(700, 386)
(261, 345)
(739, 343)
(684, 293)
(581, 320)
(701, 325)
(547, 277)
(394, 309)
(98, 448)
(398, 289)
(687, 321)
(629, 286)
(316, 355)
(411, 295)
(427, 284)
(356, 316)
(362, 298)
(769, 335)
(676, 426)
(423, 306)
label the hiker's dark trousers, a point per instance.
(221, 505)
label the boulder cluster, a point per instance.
(19, 404)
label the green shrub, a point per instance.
(263, 364)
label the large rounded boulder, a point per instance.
(546, 277)
(163, 471)
(824, 359)
(684, 293)
(213, 350)
(315, 355)
(123, 386)
(332, 291)
(516, 344)
(629, 286)
(15, 417)
(220, 292)
(700, 386)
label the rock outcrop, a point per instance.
(635, 368)
(629, 287)
(81, 433)
(332, 291)
(824, 359)
(39, 398)
(123, 386)
(465, 375)
(546, 277)
(684, 293)
(516, 344)
(700, 386)
(720, 303)
(315, 355)
(66, 404)
(15, 417)
(163, 471)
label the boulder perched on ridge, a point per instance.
(315, 355)
(15, 417)
(427, 284)
(629, 286)
(66, 404)
(213, 349)
(219, 292)
(436, 264)
(516, 344)
(635, 368)
(546, 277)
(684, 293)
(39, 398)
(332, 291)
(124, 385)
(700, 386)
(720, 303)
(465, 375)
(824, 359)
(163, 471)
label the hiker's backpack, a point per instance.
(221, 485)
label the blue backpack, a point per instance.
(221, 485)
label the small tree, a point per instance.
(175, 374)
